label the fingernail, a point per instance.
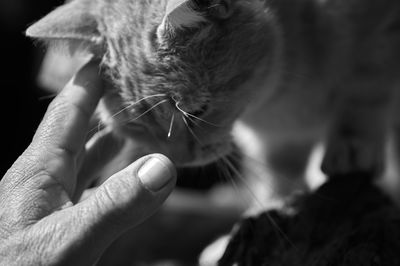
(155, 174)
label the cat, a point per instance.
(192, 75)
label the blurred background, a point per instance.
(22, 104)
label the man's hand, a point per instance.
(40, 224)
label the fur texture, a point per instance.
(294, 72)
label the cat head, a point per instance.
(178, 68)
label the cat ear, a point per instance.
(190, 13)
(182, 14)
(72, 23)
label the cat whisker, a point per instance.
(48, 97)
(225, 164)
(202, 120)
(250, 167)
(228, 163)
(214, 5)
(187, 114)
(171, 125)
(237, 173)
(224, 170)
(135, 103)
(253, 161)
(252, 164)
(147, 111)
(194, 122)
(100, 123)
(97, 128)
(191, 131)
(181, 110)
(273, 222)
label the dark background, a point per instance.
(21, 105)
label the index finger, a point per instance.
(47, 168)
(66, 121)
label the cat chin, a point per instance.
(207, 154)
(183, 151)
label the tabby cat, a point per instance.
(193, 75)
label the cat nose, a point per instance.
(186, 108)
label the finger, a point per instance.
(134, 193)
(61, 134)
(123, 201)
(42, 179)
(107, 153)
(96, 124)
(100, 150)
(66, 121)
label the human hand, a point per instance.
(39, 222)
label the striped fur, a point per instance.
(295, 72)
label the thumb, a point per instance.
(79, 234)
(127, 198)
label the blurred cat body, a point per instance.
(294, 73)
